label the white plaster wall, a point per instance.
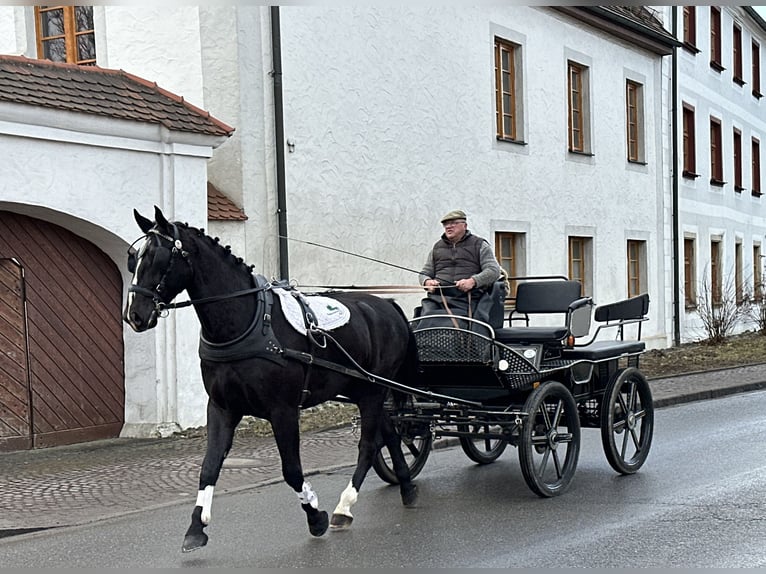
(13, 36)
(89, 180)
(392, 114)
(706, 210)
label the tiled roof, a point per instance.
(103, 92)
(220, 207)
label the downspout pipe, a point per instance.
(279, 142)
(677, 252)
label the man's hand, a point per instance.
(429, 284)
(466, 285)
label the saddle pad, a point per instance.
(329, 313)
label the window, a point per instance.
(636, 267)
(690, 271)
(737, 160)
(507, 106)
(634, 118)
(716, 152)
(737, 54)
(65, 34)
(690, 162)
(690, 28)
(716, 281)
(510, 253)
(757, 273)
(715, 38)
(757, 70)
(739, 287)
(755, 185)
(578, 105)
(581, 262)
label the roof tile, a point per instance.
(101, 91)
(220, 207)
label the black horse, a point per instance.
(254, 363)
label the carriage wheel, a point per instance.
(482, 450)
(550, 439)
(627, 420)
(416, 448)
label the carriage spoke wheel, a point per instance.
(416, 447)
(550, 439)
(482, 450)
(627, 420)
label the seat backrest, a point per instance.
(546, 296)
(634, 308)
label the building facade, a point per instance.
(358, 127)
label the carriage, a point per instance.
(533, 386)
(263, 352)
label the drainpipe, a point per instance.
(675, 216)
(279, 142)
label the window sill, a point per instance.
(717, 66)
(757, 94)
(637, 162)
(755, 193)
(511, 141)
(717, 182)
(739, 81)
(689, 47)
(690, 174)
(585, 153)
(739, 188)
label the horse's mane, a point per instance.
(223, 250)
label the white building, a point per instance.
(357, 127)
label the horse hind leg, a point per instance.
(285, 425)
(392, 440)
(220, 435)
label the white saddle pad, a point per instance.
(329, 313)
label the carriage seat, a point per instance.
(558, 297)
(600, 350)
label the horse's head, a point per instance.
(161, 270)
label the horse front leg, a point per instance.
(220, 435)
(407, 489)
(285, 424)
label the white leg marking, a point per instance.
(205, 500)
(308, 496)
(347, 500)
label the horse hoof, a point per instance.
(410, 495)
(193, 542)
(318, 525)
(341, 521)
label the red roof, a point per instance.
(103, 92)
(220, 207)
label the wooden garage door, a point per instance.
(74, 340)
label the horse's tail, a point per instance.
(408, 369)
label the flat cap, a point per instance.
(454, 214)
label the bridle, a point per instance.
(171, 255)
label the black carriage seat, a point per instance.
(560, 297)
(619, 314)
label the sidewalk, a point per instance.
(81, 483)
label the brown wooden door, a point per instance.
(73, 304)
(15, 411)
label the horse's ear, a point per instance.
(143, 223)
(162, 223)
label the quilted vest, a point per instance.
(459, 261)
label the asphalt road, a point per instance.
(697, 502)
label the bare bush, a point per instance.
(720, 308)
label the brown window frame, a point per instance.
(690, 144)
(756, 69)
(690, 271)
(507, 245)
(578, 262)
(72, 33)
(575, 107)
(715, 39)
(716, 152)
(690, 28)
(633, 119)
(757, 273)
(755, 160)
(736, 40)
(739, 281)
(635, 260)
(737, 160)
(502, 72)
(716, 278)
